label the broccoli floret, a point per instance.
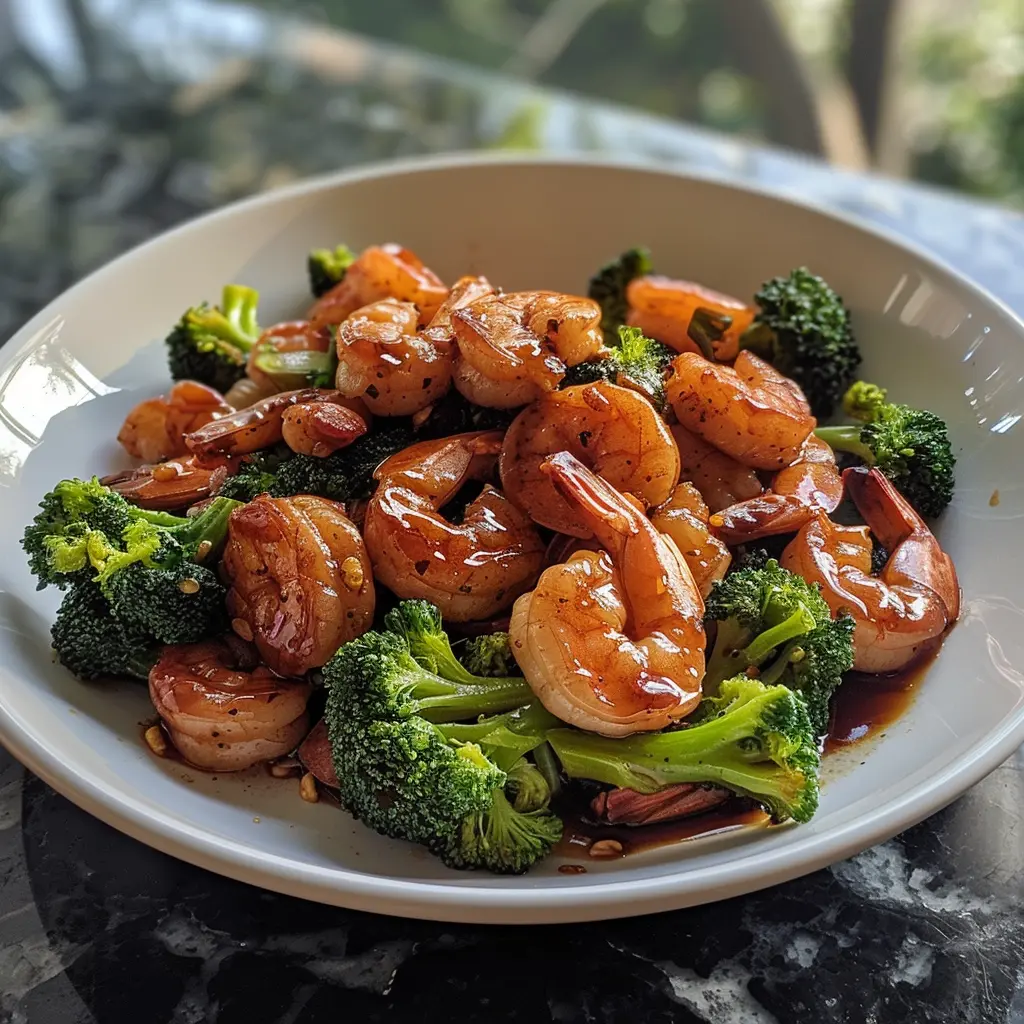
(635, 362)
(490, 655)
(181, 604)
(341, 476)
(776, 625)
(211, 343)
(327, 267)
(408, 769)
(753, 739)
(608, 286)
(93, 643)
(144, 566)
(454, 414)
(803, 329)
(910, 446)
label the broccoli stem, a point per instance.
(847, 439)
(800, 622)
(705, 328)
(716, 750)
(727, 655)
(440, 700)
(211, 524)
(239, 303)
(547, 765)
(791, 653)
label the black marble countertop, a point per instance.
(118, 120)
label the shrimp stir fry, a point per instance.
(914, 599)
(612, 641)
(300, 580)
(221, 716)
(515, 347)
(612, 430)
(155, 429)
(477, 531)
(470, 569)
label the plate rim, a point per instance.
(438, 900)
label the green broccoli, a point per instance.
(803, 329)
(608, 286)
(144, 562)
(635, 362)
(341, 476)
(180, 604)
(910, 446)
(93, 643)
(490, 655)
(776, 625)
(754, 739)
(211, 343)
(304, 368)
(410, 770)
(327, 267)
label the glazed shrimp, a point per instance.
(684, 518)
(515, 347)
(750, 412)
(221, 717)
(612, 641)
(300, 580)
(395, 368)
(797, 494)
(314, 421)
(911, 602)
(155, 429)
(174, 484)
(472, 569)
(663, 309)
(381, 272)
(722, 481)
(611, 429)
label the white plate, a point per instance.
(71, 374)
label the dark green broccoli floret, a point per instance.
(341, 476)
(489, 655)
(773, 621)
(910, 446)
(454, 414)
(410, 770)
(178, 605)
(803, 329)
(93, 643)
(608, 286)
(753, 739)
(327, 267)
(211, 343)
(635, 362)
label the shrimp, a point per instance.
(314, 421)
(472, 569)
(684, 518)
(750, 412)
(797, 494)
(722, 481)
(515, 347)
(174, 484)
(915, 598)
(393, 367)
(289, 342)
(155, 429)
(611, 429)
(612, 641)
(381, 272)
(663, 309)
(300, 580)
(225, 718)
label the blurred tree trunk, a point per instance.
(765, 52)
(871, 25)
